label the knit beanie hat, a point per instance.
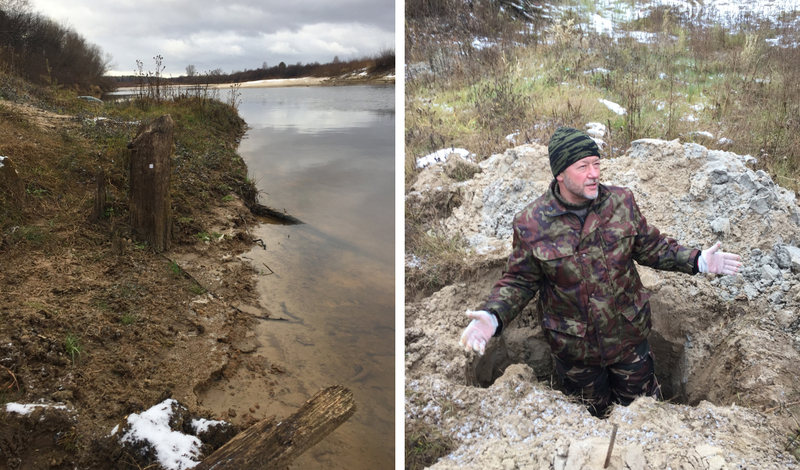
(569, 145)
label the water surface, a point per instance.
(326, 156)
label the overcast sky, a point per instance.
(227, 34)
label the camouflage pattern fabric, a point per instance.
(599, 387)
(594, 308)
(567, 146)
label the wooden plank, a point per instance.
(267, 446)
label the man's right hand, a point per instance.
(479, 331)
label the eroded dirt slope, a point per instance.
(95, 325)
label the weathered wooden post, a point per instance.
(100, 197)
(265, 446)
(151, 214)
(11, 183)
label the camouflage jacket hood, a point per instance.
(594, 308)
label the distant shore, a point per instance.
(294, 82)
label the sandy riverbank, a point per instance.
(292, 82)
(283, 82)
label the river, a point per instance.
(326, 156)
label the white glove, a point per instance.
(479, 331)
(718, 262)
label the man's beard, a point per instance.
(579, 190)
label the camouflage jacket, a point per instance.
(594, 308)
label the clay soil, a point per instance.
(95, 322)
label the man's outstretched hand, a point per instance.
(718, 262)
(479, 331)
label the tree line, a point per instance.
(384, 61)
(42, 51)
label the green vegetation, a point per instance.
(175, 269)
(72, 347)
(196, 288)
(128, 318)
(528, 78)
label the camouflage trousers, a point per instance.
(620, 383)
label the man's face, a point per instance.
(581, 180)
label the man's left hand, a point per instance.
(718, 262)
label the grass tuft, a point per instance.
(72, 347)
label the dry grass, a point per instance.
(59, 166)
(475, 76)
(534, 78)
(425, 445)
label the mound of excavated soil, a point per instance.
(726, 347)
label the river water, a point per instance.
(326, 156)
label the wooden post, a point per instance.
(10, 182)
(264, 446)
(100, 197)
(151, 214)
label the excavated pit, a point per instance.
(672, 363)
(726, 347)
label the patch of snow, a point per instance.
(595, 130)
(174, 450)
(613, 106)
(201, 425)
(441, 156)
(704, 134)
(26, 409)
(414, 262)
(644, 37)
(511, 137)
(1, 161)
(482, 43)
(602, 25)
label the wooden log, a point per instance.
(282, 216)
(150, 169)
(264, 446)
(100, 197)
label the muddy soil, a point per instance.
(726, 349)
(96, 326)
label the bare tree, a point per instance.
(191, 71)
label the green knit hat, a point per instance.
(569, 145)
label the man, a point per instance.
(575, 245)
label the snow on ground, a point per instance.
(174, 450)
(613, 106)
(441, 156)
(26, 409)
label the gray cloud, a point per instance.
(231, 35)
